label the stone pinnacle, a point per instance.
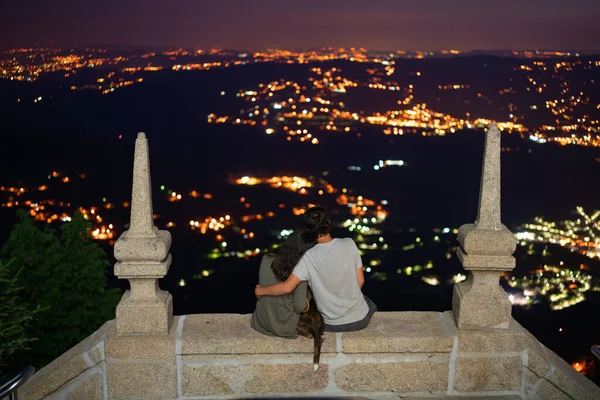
(488, 215)
(141, 199)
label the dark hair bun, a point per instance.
(317, 220)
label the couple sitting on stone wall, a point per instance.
(333, 270)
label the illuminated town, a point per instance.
(304, 112)
(304, 109)
(542, 102)
(559, 286)
(581, 234)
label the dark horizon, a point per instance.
(408, 25)
(299, 49)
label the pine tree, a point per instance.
(15, 319)
(65, 275)
(35, 252)
(86, 300)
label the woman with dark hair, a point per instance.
(334, 271)
(278, 316)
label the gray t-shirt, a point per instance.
(330, 269)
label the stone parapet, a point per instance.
(72, 369)
(248, 379)
(400, 355)
(550, 377)
(410, 332)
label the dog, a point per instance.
(311, 325)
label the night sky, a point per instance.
(255, 25)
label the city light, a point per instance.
(561, 287)
(581, 234)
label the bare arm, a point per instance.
(278, 289)
(360, 276)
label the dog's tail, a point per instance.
(318, 341)
(317, 328)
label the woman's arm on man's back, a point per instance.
(278, 289)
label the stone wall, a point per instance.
(420, 354)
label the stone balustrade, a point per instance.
(476, 349)
(412, 354)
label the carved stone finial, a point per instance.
(142, 224)
(488, 216)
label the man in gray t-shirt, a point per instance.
(331, 270)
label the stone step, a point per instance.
(502, 397)
(400, 397)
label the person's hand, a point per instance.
(256, 292)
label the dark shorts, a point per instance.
(355, 326)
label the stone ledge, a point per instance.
(417, 376)
(306, 358)
(69, 365)
(537, 355)
(554, 377)
(88, 385)
(548, 391)
(252, 358)
(92, 387)
(570, 381)
(144, 380)
(488, 374)
(252, 379)
(232, 334)
(452, 397)
(492, 340)
(406, 332)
